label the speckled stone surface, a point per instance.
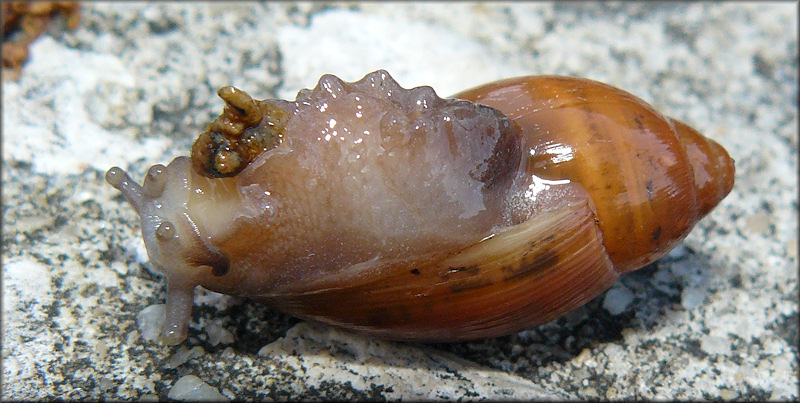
(135, 84)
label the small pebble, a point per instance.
(192, 388)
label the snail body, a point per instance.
(399, 214)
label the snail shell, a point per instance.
(396, 213)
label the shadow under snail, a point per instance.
(399, 214)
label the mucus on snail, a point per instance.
(399, 214)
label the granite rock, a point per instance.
(134, 84)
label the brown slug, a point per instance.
(396, 213)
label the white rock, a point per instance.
(404, 48)
(324, 354)
(192, 388)
(57, 131)
(715, 344)
(218, 334)
(151, 320)
(618, 299)
(183, 355)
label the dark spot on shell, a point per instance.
(416, 272)
(649, 188)
(469, 284)
(638, 120)
(386, 317)
(657, 233)
(464, 278)
(468, 270)
(379, 317)
(533, 265)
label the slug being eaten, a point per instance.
(403, 215)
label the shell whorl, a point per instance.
(650, 178)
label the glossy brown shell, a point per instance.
(651, 178)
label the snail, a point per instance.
(402, 215)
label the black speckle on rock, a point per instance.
(60, 221)
(786, 326)
(337, 391)
(736, 280)
(762, 66)
(252, 324)
(22, 165)
(692, 346)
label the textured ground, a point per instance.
(135, 83)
